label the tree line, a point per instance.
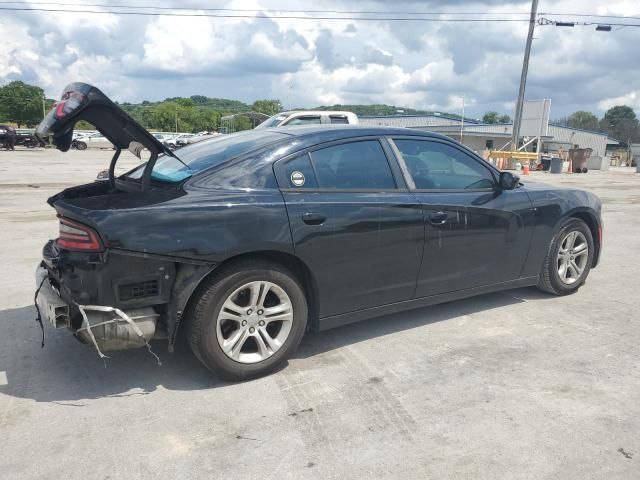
(24, 105)
(619, 122)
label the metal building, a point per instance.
(495, 136)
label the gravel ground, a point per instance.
(509, 385)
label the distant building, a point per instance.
(494, 136)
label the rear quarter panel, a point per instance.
(204, 225)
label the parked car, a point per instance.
(7, 137)
(311, 117)
(93, 140)
(250, 240)
(198, 137)
(26, 138)
(180, 140)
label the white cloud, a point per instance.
(305, 63)
(632, 99)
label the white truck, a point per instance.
(310, 117)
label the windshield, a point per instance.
(273, 121)
(202, 155)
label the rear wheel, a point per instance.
(569, 258)
(81, 145)
(248, 320)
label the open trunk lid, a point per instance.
(81, 101)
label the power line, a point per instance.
(258, 17)
(585, 15)
(542, 21)
(337, 12)
(219, 9)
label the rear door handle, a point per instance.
(438, 218)
(311, 218)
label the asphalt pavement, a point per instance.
(509, 385)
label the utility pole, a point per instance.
(462, 122)
(176, 119)
(44, 109)
(523, 78)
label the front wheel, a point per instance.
(568, 259)
(248, 320)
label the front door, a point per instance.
(354, 224)
(476, 234)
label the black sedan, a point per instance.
(249, 240)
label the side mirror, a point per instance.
(508, 181)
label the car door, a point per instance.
(353, 223)
(475, 233)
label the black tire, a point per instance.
(585, 170)
(550, 281)
(201, 321)
(81, 145)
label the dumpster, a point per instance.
(596, 162)
(579, 157)
(556, 165)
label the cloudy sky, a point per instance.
(425, 65)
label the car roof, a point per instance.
(306, 136)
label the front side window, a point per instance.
(439, 166)
(308, 120)
(355, 165)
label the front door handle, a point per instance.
(438, 218)
(311, 218)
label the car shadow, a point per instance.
(67, 372)
(322, 342)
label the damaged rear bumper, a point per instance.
(107, 328)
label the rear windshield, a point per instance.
(205, 154)
(273, 121)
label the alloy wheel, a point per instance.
(572, 258)
(254, 322)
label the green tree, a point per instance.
(495, 117)
(21, 103)
(490, 117)
(621, 123)
(583, 120)
(268, 107)
(242, 123)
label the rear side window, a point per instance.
(355, 165)
(206, 154)
(308, 120)
(338, 119)
(299, 173)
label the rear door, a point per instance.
(354, 223)
(476, 234)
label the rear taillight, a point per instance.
(78, 237)
(70, 101)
